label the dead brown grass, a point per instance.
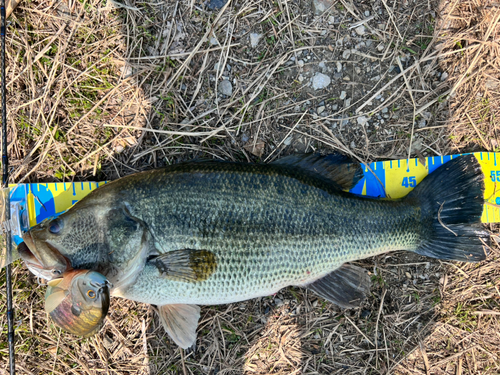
(469, 44)
(465, 339)
(99, 90)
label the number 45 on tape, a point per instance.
(396, 178)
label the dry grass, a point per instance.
(472, 56)
(100, 90)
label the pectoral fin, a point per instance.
(186, 265)
(54, 282)
(180, 322)
(347, 286)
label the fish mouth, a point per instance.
(34, 265)
(27, 252)
(31, 256)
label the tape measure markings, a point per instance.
(381, 180)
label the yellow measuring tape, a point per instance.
(384, 179)
(396, 178)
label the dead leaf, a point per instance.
(256, 148)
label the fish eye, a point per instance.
(55, 226)
(56, 272)
(91, 294)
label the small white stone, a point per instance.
(362, 120)
(320, 81)
(254, 39)
(300, 63)
(416, 146)
(346, 54)
(226, 88)
(320, 110)
(288, 141)
(213, 41)
(380, 47)
(343, 95)
(367, 13)
(348, 102)
(360, 30)
(301, 78)
(444, 76)
(339, 66)
(319, 6)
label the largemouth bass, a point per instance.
(217, 232)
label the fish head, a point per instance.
(78, 302)
(57, 244)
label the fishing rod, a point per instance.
(5, 183)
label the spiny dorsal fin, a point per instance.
(180, 322)
(187, 264)
(347, 286)
(338, 168)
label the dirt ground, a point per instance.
(102, 89)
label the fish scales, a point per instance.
(269, 227)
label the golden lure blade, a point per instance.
(78, 302)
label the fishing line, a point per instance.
(5, 183)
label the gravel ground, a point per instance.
(101, 89)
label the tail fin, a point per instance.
(452, 198)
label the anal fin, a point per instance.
(180, 322)
(347, 286)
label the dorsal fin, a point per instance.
(340, 169)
